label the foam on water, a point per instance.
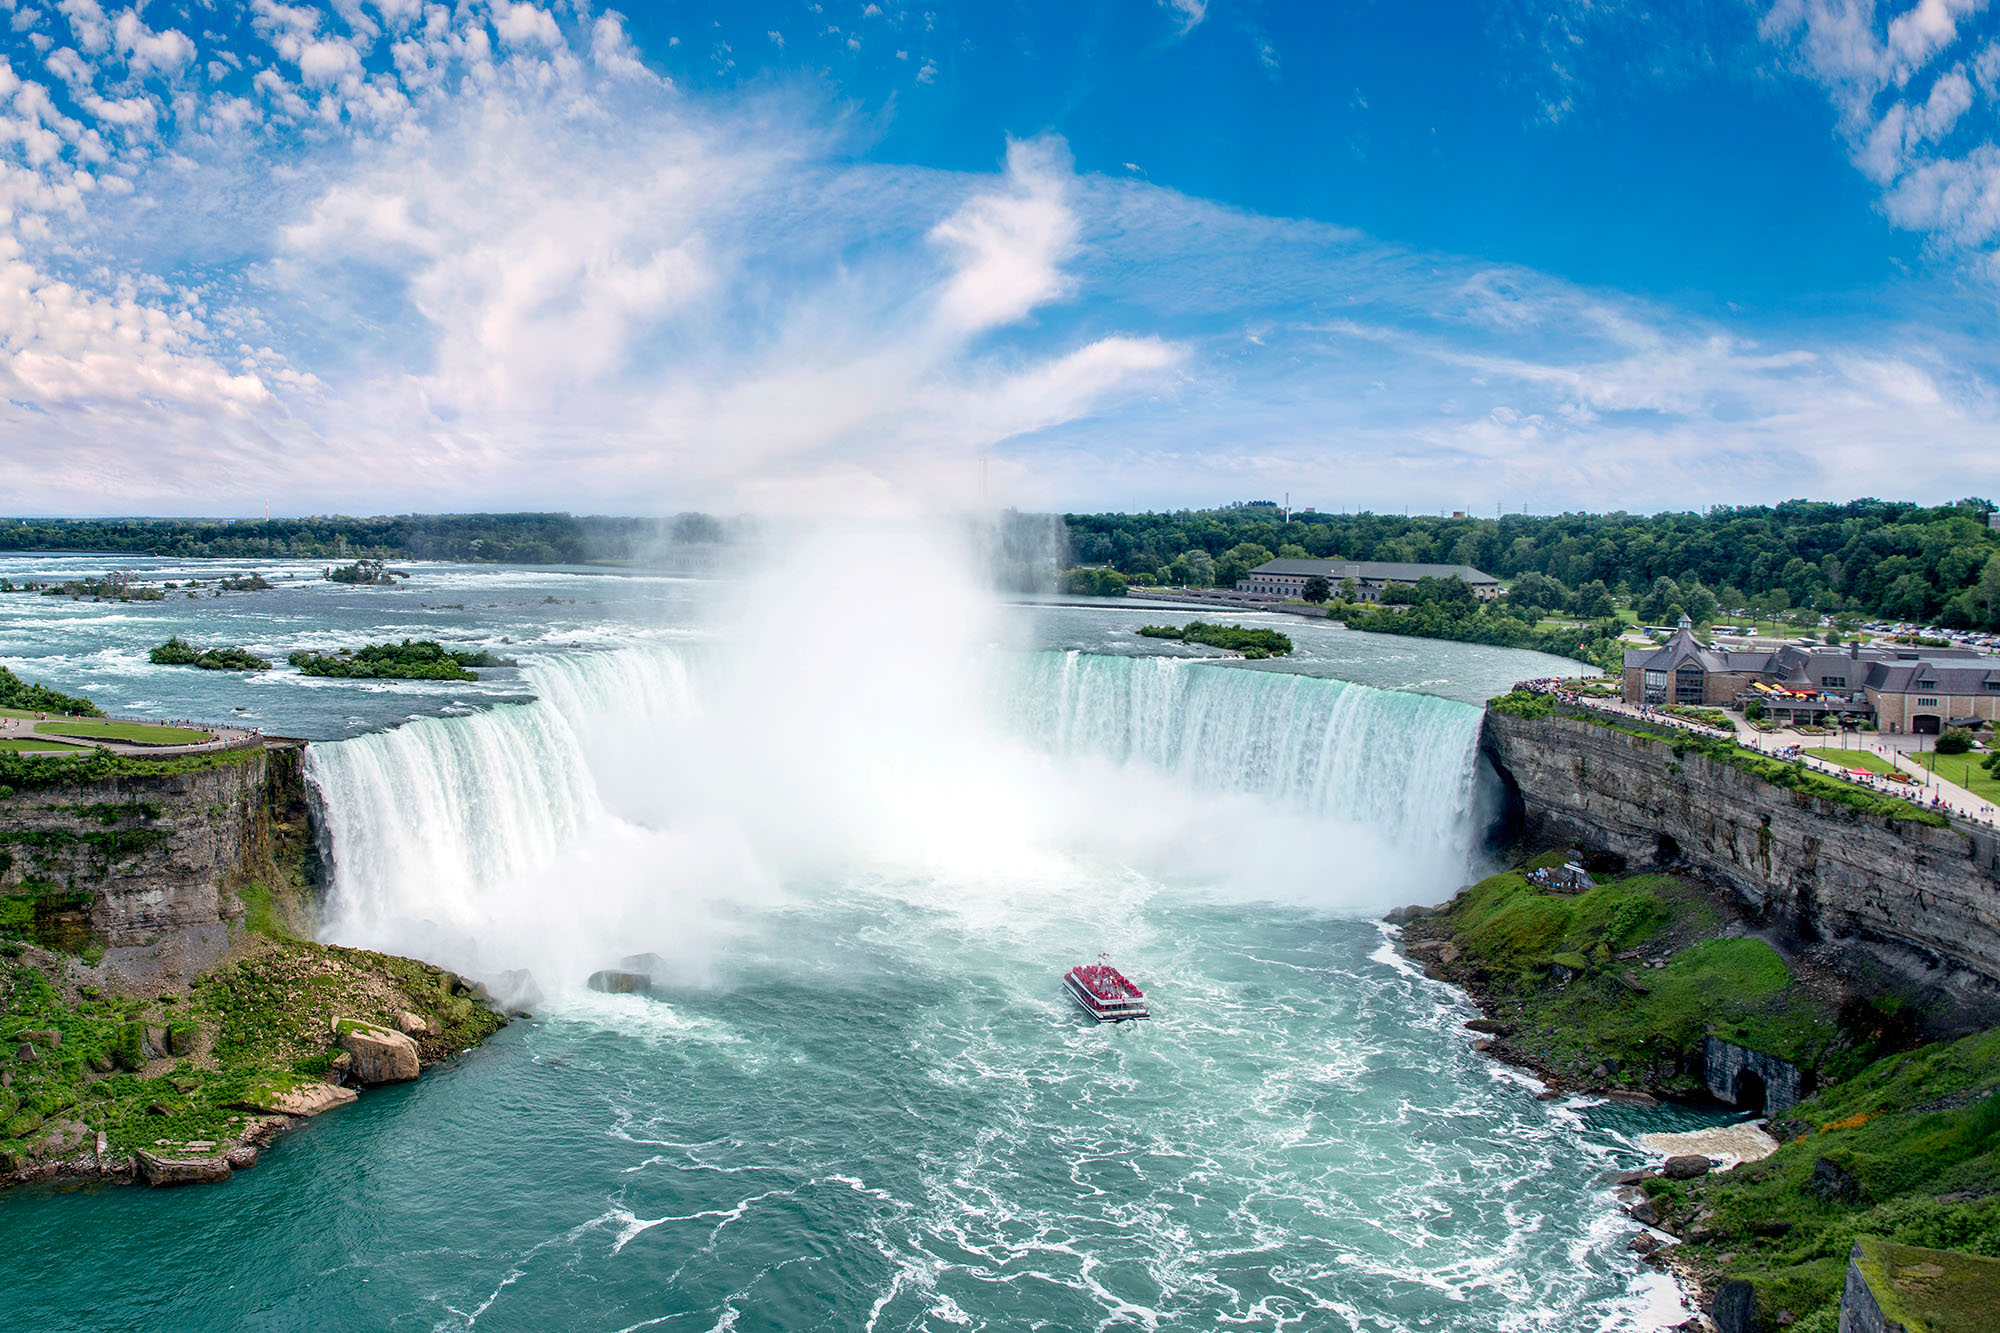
(860, 1098)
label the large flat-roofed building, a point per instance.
(1287, 578)
(1900, 688)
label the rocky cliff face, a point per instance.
(1923, 900)
(128, 860)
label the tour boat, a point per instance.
(1104, 992)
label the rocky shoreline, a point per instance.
(1689, 1157)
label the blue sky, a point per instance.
(779, 256)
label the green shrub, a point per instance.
(1955, 740)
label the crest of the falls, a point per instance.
(645, 789)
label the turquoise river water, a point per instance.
(857, 1098)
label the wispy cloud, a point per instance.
(1915, 91)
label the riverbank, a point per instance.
(1650, 987)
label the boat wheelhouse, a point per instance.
(1104, 992)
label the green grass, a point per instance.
(1508, 932)
(139, 732)
(1964, 770)
(13, 746)
(1919, 1133)
(1867, 759)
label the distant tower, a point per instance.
(1686, 624)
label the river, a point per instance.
(862, 840)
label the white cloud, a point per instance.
(1188, 13)
(1902, 115)
(148, 52)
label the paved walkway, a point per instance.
(222, 738)
(1930, 790)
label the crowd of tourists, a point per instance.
(1564, 691)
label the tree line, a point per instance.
(527, 539)
(1799, 560)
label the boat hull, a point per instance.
(1104, 1011)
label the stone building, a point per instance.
(1287, 578)
(1900, 688)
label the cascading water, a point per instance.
(616, 795)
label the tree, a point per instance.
(1316, 590)
(1293, 551)
(1348, 588)
(1239, 561)
(1955, 740)
(1200, 568)
(1593, 601)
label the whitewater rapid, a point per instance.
(633, 789)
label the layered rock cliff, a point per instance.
(125, 860)
(1921, 899)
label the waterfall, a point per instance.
(640, 781)
(1391, 759)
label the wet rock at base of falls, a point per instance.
(1404, 915)
(1492, 1027)
(614, 982)
(381, 1055)
(1644, 1213)
(1643, 1242)
(1685, 1166)
(412, 1024)
(1631, 1097)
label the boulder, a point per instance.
(156, 1043)
(304, 1099)
(412, 1025)
(1631, 1177)
(1630, 1097)
(26, 1055)
(1402, 916)
(47, 1039)
(1644, 1213)
(1643, 1242)
(1734, 1308)
(241, 1158)
(614, 982)
(1484, 1044)
(381, 1055)
(1833, 1182)
(1685, 1166)
(169, 1169)
(1491, 1026)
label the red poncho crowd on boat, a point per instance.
(1106, 982)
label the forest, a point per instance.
(1797, 560)
(527, 539)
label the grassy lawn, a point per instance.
(12, 746)
(125, 731)
(1867, 759)
(1964, 770)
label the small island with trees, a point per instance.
(422, 659)
(177, 651)
(365, 572)
(1252, 643)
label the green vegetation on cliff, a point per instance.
(1631, 975)
(1907, 1149)
(1531, 706)
(1252, 643)
(422, 659)
(26, 772)
(189, 1073)
(177, 651)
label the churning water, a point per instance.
(857, 1098)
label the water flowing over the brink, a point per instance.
(856, 1097)
(1391, 759)
(424, 819)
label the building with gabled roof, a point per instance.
(1287, 578)
(1900, 688)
